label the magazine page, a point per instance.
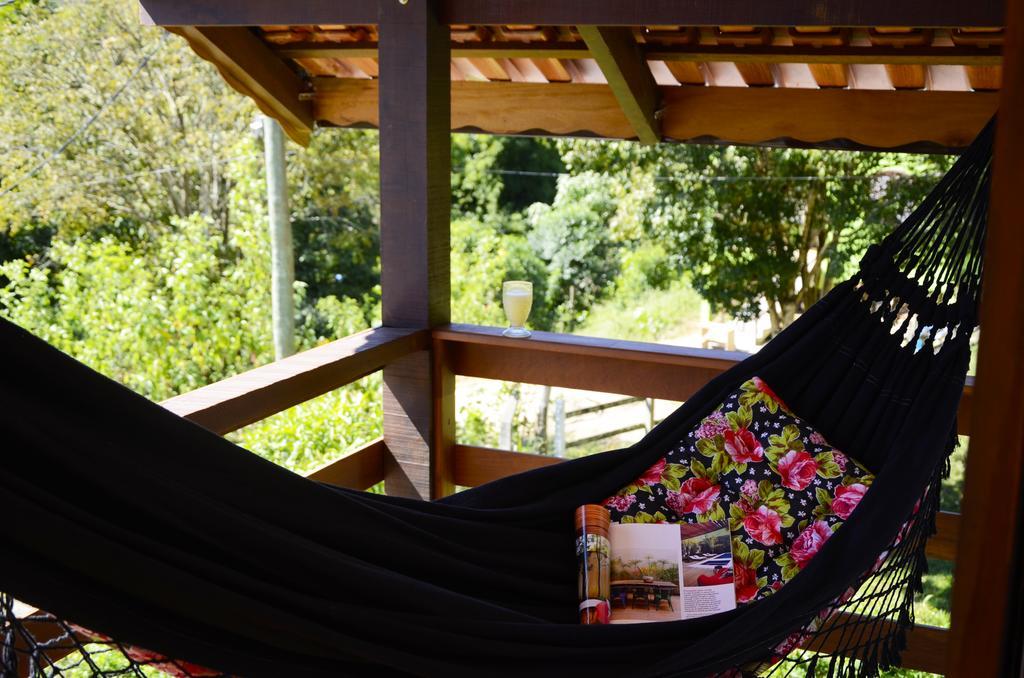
(707, 573)
(667, 572)
(646, 561)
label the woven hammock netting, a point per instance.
(136, 529)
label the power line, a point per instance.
(718, 179)
(89, 122)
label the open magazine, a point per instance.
(664, 572)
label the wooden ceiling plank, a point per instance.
(686, 72)
(906, 76)
(249, 66)
(553, 70)
(984, 78)
(628, 75)
(491, 69)
(756, 74)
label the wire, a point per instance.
(89, 122)
(842, 177)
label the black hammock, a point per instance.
(124, 519)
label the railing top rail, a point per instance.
(246, 398)
(554, 342)
(634, 368)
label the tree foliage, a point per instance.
(132, 218)
(763, 229)
(151, 133)
(573, 238)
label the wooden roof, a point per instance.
(808, 85)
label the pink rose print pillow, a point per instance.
(783, 488)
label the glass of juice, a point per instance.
(517, 298)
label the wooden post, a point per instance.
(985, 625)
(282, 257)
(415, 197)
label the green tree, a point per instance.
(335, 213)
(757, 227)
(168, 320)
(482, 258)
(492, 175)
(139, 246)
(574, 239)
(783, 226)
(149, 133)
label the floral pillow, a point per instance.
(783, 488)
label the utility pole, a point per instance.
(282, 260)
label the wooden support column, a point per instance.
(625, 68)
(415, 197)
(987, 590)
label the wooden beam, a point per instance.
(442, 463)
(249, 66)
(802, 54)
(796, 54)
(479, 465)
(936, 13)
(632, 368)
(254, 395)
(942, 545)
(923, 13)
(257, 12)
(628, 76)
(415, 203)
(987, 597)
(629, 368)
(469, 50)
(849, 118)
(815, 116)
(359, 470)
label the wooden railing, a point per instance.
(569, 361)
(613, 366)
(255, 395)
